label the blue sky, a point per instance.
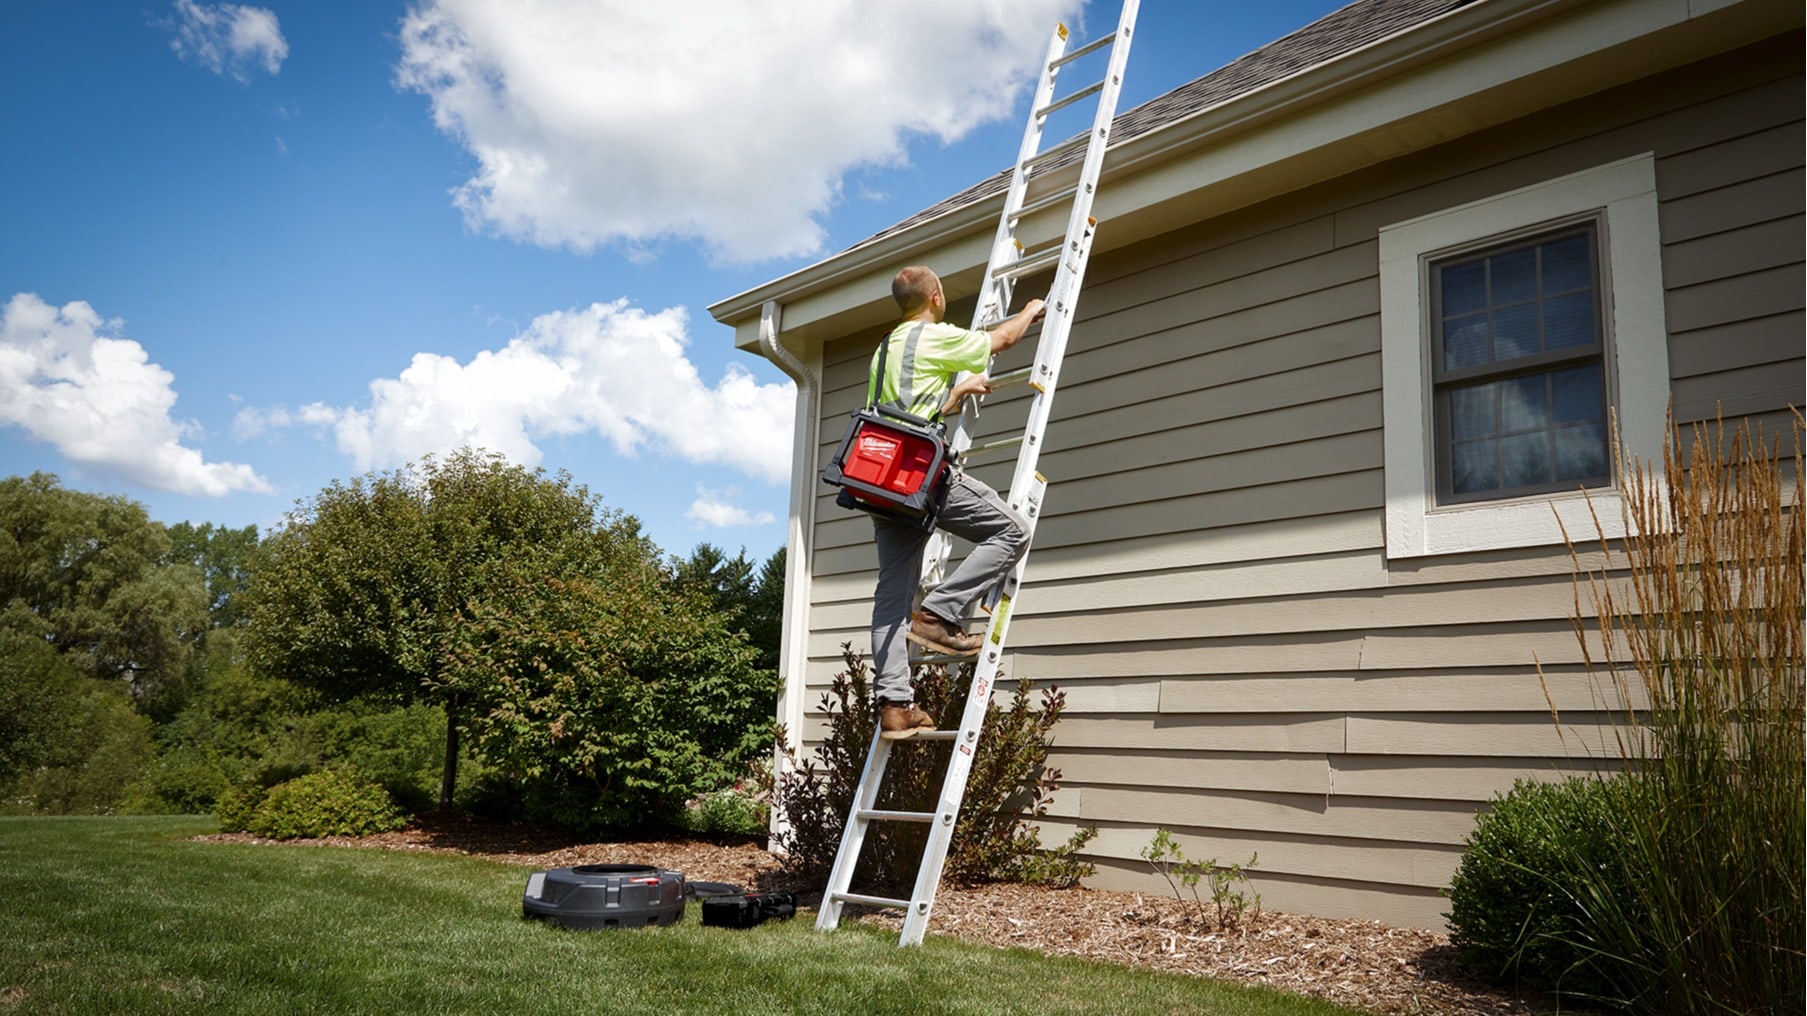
(248, 249)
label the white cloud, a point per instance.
(100, 401)
(608, 369)
(717, 508)
(727, 121)
(228, 38)
(253, 421)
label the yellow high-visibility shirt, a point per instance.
(922, 363)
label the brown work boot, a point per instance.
(896, 722)
(928, 630)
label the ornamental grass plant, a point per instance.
(1699, 610)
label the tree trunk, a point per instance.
(449, 776)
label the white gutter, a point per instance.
(793, 653)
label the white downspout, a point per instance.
(793, 657)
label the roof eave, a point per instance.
(816, 297)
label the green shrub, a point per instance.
(236, 807)
(401, 747)
(39, 690)
(1519, 900)
(1228, 902)
(729, 810)
(608, 702)
(181, 780)
(1009, 783)
(331, 803)
(235, 728)
(104, 747)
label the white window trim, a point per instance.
(1623, 196)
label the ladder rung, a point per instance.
(871, 901)
(1060, 197)
(1011, 377)
(992, 446)
(1076, 141)
(897, 816)
(1031, 264)
(932, 658)
(935, 735)
(1086, 92)
(1091, 47)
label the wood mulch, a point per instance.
(1361, 964)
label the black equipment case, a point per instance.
(605, 896)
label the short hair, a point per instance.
(913, 288)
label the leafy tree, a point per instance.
(369, 588)
(68, 743)
(91, 576)
(727, 583)
(764, 618)
(37, 687)
(223, 557)
(753, 600)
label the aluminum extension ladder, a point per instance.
(1010, 261)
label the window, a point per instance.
(1519, 380)
(1512, 329)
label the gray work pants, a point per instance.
(973, 512)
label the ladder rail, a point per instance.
(853, 835)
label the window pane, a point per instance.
(1581, 453)
(1514, 276)
(1465, 342)
(1515, 332)
(1523, 404)
(1464, 288)
(1567, 263)
(1525, 460)
(1569, 320)
(1471, 411)
(1578, 396)
(1474, 466)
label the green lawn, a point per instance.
(124, 915)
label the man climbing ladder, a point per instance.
(919, 361)
(1002, 528)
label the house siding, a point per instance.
(1210, 584)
